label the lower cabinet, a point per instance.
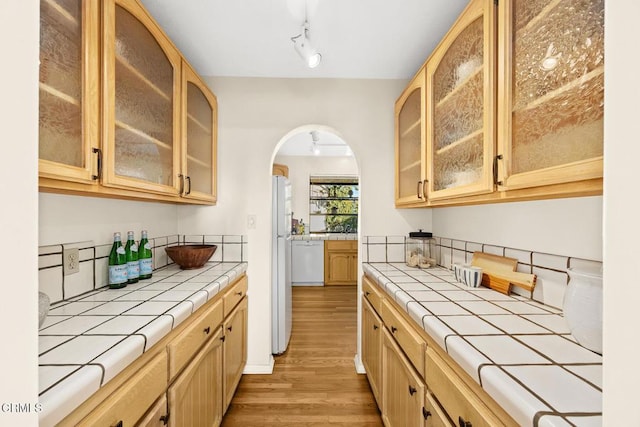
(402, 388)
(235, 350)
(158, 415)
(340, 262)
(372, 348)
(195, 397)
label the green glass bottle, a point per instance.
(117, 264)
(131, 251)
(145, 257)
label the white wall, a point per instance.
(254, 115)
(303, 167)
(65, 219)
(19, 213)
(571, 227)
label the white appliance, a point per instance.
(307, 263)
(281, 265)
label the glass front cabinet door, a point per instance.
(410, 144)
(198, 136)
(460, 106)
(68, 89)
(141, 102)
(551, 65)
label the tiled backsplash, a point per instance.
(94, 260)
(551, 270)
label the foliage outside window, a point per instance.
(333, 204)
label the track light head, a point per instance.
(305, 49)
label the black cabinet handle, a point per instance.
(424, 189)
(229, 328)
(495, 169)
(463, 423)
(222, 338)
(118, 424)
(393, 329)
(418, 192)
(367, 293)
(99, 174)
(165, 419)
(426, 414)
(239, 293)
(375, 327)
(188, 181)
(207, 330)
(412, 390)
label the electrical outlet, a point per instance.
(70, 261)
(251, 222)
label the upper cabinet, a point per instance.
(410, 144)
(551, 66)
(68, 89)
(199, 115)
(134, 120)
(460, 105)
(141, 101)
(514, 105)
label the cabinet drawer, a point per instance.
(184, 346)
(434, 415)
(457, 399)
(411, 343)
(234, 295)
(341, 245)
(130, 402)
(372, 294)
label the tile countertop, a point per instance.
(519, 351)
(325, 236)
(85, 342)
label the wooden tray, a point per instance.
(499, 273)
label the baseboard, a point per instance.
(359, 366)
(308, 284)
(260, 369)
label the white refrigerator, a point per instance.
(281, 265)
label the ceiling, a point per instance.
(360, 39)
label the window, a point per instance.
(333, 204)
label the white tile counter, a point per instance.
(521, 352)
(87, 341)
(325, 236)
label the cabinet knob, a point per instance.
(367, 293)
(463, 423)
(229, 328)
(412, 390)
(165, 419)
(426, 414)
(207, 330)
(375, 327)
(222, 338)
(239, 293)
(118, 424)
(393, 329)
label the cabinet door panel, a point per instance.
(461, 98)
(551, 125)
(199, 137)
(195, 398)
(68, 130)
(372, 349)
(235, 350)
(141, 101)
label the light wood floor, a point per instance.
(314, 383)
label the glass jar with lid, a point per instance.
(420, 249)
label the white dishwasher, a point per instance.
(307, 262)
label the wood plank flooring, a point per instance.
(314, 383)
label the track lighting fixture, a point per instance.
(305, 49)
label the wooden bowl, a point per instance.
(189, 257)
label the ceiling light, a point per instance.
(315, 149)
(305, 49)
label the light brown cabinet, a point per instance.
(514, 101)
(68, 90)
(235, 350)
(143, 126)
(195, 397)
(460, 106)
(410, 144)
(372, 348)
(188, 377)
(340, 262)
(402, 387)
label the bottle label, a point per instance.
(133, 269)
(146, 266)
(120, 250)
(117, 274)
(134, 248)
(147, 246)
